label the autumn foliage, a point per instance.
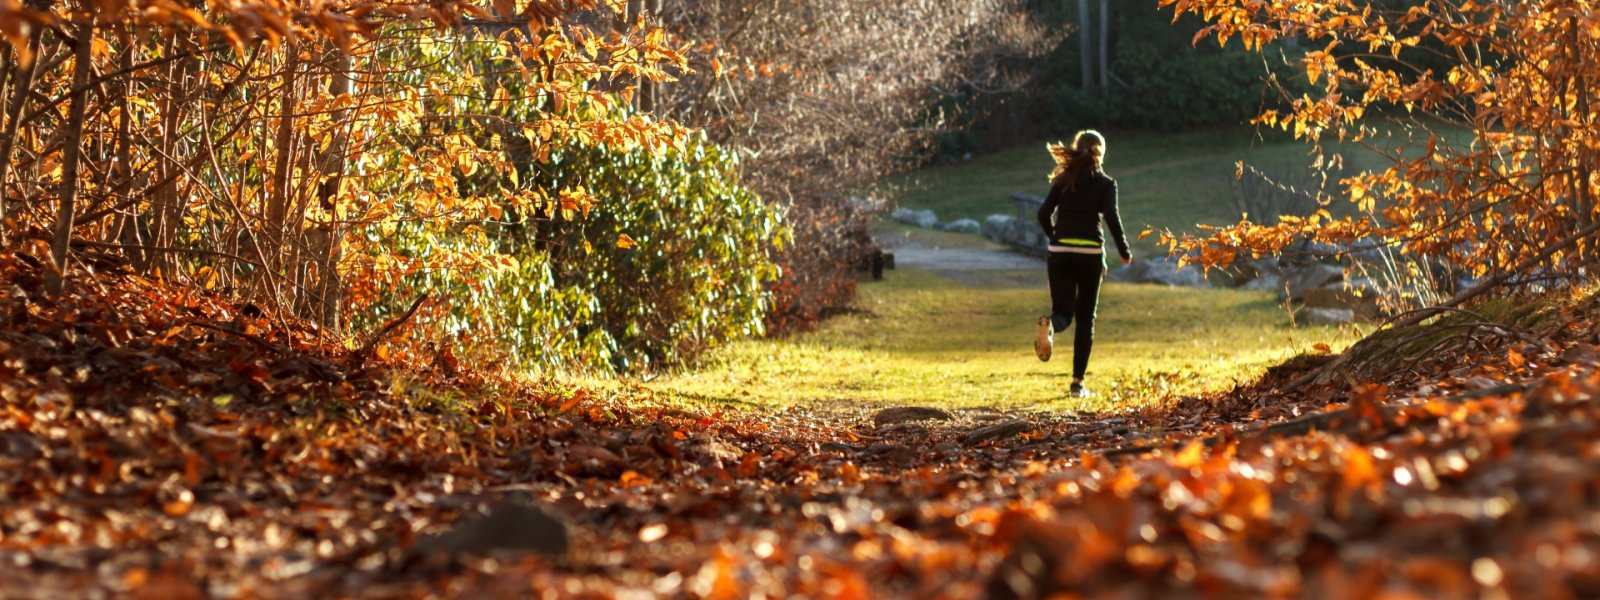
(1483, 110)
(337, 161)
(193, 199)
(283, 151)
(193, 447)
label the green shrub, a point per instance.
(695, 274)
(548, 285)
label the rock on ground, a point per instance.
(1327, 316)
(920, 218)
(995, 226)
(1271, 283)
(1244, 272)
(1311, 276)
(962, 226)
(904, 414)
(1164, 271)
(510, 527)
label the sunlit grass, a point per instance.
(923, 339)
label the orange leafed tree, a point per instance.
(266, 146)
(1484, 109)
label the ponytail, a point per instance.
(1074, 163)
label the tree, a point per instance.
(1105, 44)
(804, 90)
(254, 147)
(1484, 110)
(1094, 45)
(1086, 44)
(1137, 69)
(72, 147)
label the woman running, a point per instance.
(1080, 194)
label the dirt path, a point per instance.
(977, 262)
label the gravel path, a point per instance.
(975, 266)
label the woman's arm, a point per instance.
(1114, 222)
(1049, 209)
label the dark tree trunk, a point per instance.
(1105, 45)
(327, 290)
(59, 246)
(278, 204)
(1086, 44)
(165, 212)
(123, 170)
(21, 82)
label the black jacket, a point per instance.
(1077, 213)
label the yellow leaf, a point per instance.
(208, 277)
(624, 242)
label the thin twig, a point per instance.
(361, 353)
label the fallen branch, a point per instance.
(1428, 311)
(361, 353)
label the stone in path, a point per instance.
(989, 265)
(717, 449)
(510, 527)
(916, 255)
(906, 414)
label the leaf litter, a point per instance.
(162, 442)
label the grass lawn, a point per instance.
(923, 339)
(1164, 180)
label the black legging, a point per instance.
(1074, 292)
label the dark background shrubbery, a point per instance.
(1160, 82)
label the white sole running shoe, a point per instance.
(1043, 338)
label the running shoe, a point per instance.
(1077, 390)
(1044, 338)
